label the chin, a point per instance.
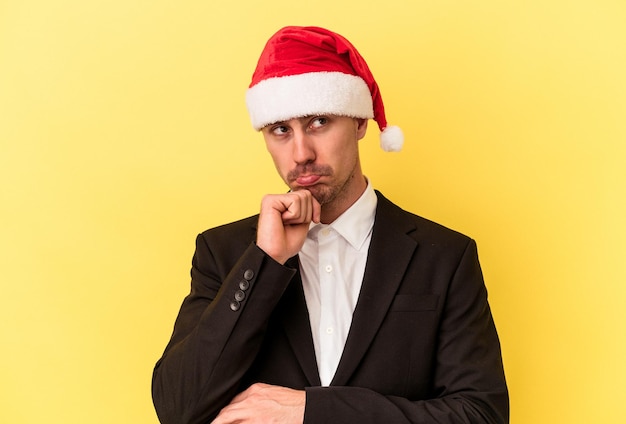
(323, 195)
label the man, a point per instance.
(333, 305)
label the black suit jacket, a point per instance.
(422, 347)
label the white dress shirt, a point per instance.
(332, 264)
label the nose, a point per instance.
(303, 151)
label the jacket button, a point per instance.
(248, 274)
(234, 306)
(244, 285)
(239, 295)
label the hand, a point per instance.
(263, 403)
(284, 223)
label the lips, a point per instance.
(307, 180)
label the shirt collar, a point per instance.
(356, 223)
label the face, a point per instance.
(319, 154)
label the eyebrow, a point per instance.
(286, 123)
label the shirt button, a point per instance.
(330, 330)
(329, 268)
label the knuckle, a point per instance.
(300, 194)
(266, 199)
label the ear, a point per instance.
(361, 127)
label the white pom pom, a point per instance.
(391, 139)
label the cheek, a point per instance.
(347, 152)
(280, 163)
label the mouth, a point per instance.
(307, 180)
(308, 175)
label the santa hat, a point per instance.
(305, 71)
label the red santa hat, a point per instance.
(306, 71)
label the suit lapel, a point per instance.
(297, 326)
(389, 254)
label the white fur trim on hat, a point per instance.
(283, 98)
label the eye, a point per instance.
(279, 130)
(318, 122)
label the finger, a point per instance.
(316, 214)
(242, 395)
(254, 388)
(298, 208)
(228, 415)
(234, 412)
(307, 207)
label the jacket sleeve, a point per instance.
(468, 384)
(218, 332)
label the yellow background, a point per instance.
(123, 133)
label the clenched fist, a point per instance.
(284, 223)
